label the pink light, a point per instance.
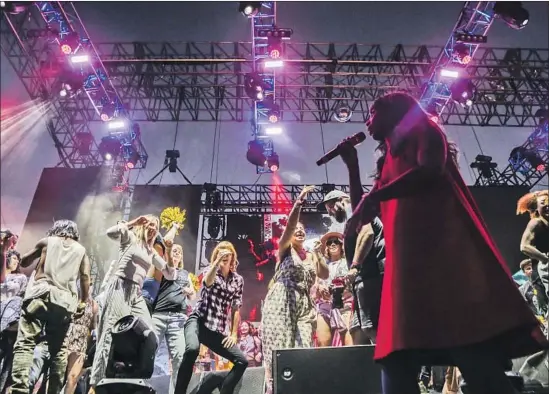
(80, 59)
(449, 73)
(466, 59)
(540, 167)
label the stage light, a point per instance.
(76, 59)
(273, 130)
(109, 147)
(274, 47)
(133, 349)
(462, 54)
(107, 111)
(70, 43)
(254, 86)
(131, 155)
(83, 143)
(283, 33)
(171, 159)
(484, 166)
(541, 116)
(255, 154)
(471, 38)
(273, 162)
(249, 8)
(214, 226)
(13, 7)
(343, 114)
(463, 91)
(449, 73)
(512, 13)
(273, 63)
(273, 115)
(117, 124)
(523, 158)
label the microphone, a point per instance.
(354, 140)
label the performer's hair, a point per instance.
(525, 263)
(401, 105)
(140, 231)
(227, 246)
(174, 246)
(529, 203)
(64, 229)
(11, 253)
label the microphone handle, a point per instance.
(353, 140)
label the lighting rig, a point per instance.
(72, 70)
(260, 84)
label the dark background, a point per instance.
(153, 199)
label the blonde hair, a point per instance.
(225, 245)
(178, 246)
(140, 231)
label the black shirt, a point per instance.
(170, 296)
(374, 262)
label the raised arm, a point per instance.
(293, 219)
(161, 265)
(28, 258)
(527, 242)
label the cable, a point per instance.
(217, 154)
(324, 150)
(478, 142)
(257, 180)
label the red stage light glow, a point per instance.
(274, 54)
(540, 167)
(273, 118)
(466, 59)
(66, 49)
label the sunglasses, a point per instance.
(333, 242)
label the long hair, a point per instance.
(405, 113)
(178, 246)
(9, 255)
(225, 245)
(64, 229)
(529, 203)
(140, 231)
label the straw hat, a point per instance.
(327, 236)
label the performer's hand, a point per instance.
(306, 190)
(220, 257)
(229, 341)
(317, 246)
(348, 152)
(168, 243)
(351, 275)
(187, 291)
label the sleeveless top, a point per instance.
(60, 272)
(296, 274)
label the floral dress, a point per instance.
(77, 336)
(288, 313)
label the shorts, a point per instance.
(367, 303)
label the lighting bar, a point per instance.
(475, 20)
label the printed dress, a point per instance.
(77, 336)
(288, 313)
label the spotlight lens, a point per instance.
(108, 156)
(248, 10)
(469, 103)
(130, 165)
(66, 49)
(275, 54)
(273, 118)
(274, 168)
(63, 93)
(105, 117)
(259, 95)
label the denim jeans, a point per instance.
(171, 327)
(195, 334)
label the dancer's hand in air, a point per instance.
(303, 195)
(221, 255)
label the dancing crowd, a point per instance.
(414, 259)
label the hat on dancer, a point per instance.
(333, 195)
(330, 235)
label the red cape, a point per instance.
(446, 284)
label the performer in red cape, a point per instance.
(448, 297)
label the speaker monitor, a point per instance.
(328, 370)
(124, 386)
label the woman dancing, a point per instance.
(329, 320)
(123, 291)
(288, 313)
(250, 344)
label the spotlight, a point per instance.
(274, 113)
(249, 8)
(109, 147)
(254, 86)
(108, 110)
(83, 143)
(343, 114)
(449, 73)
(274, 47)
(117, 124)
(275, 32)
(541, 115)
(463, 91)
(214, 226)
(273, 63)
(132, 350)
(131, 155)
(256, 154)
(471, 38)
(462, 54)
(12, 7)
(273, 163)
(525, 159)
(70, 43)
(171, 159)
(69, 83)
(512, 13)
(273, 130)
(484, 166)
(76, 59)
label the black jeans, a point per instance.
(195, 334)
(483, 372)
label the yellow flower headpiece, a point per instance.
(172, 215)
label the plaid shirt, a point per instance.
(216, 301)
